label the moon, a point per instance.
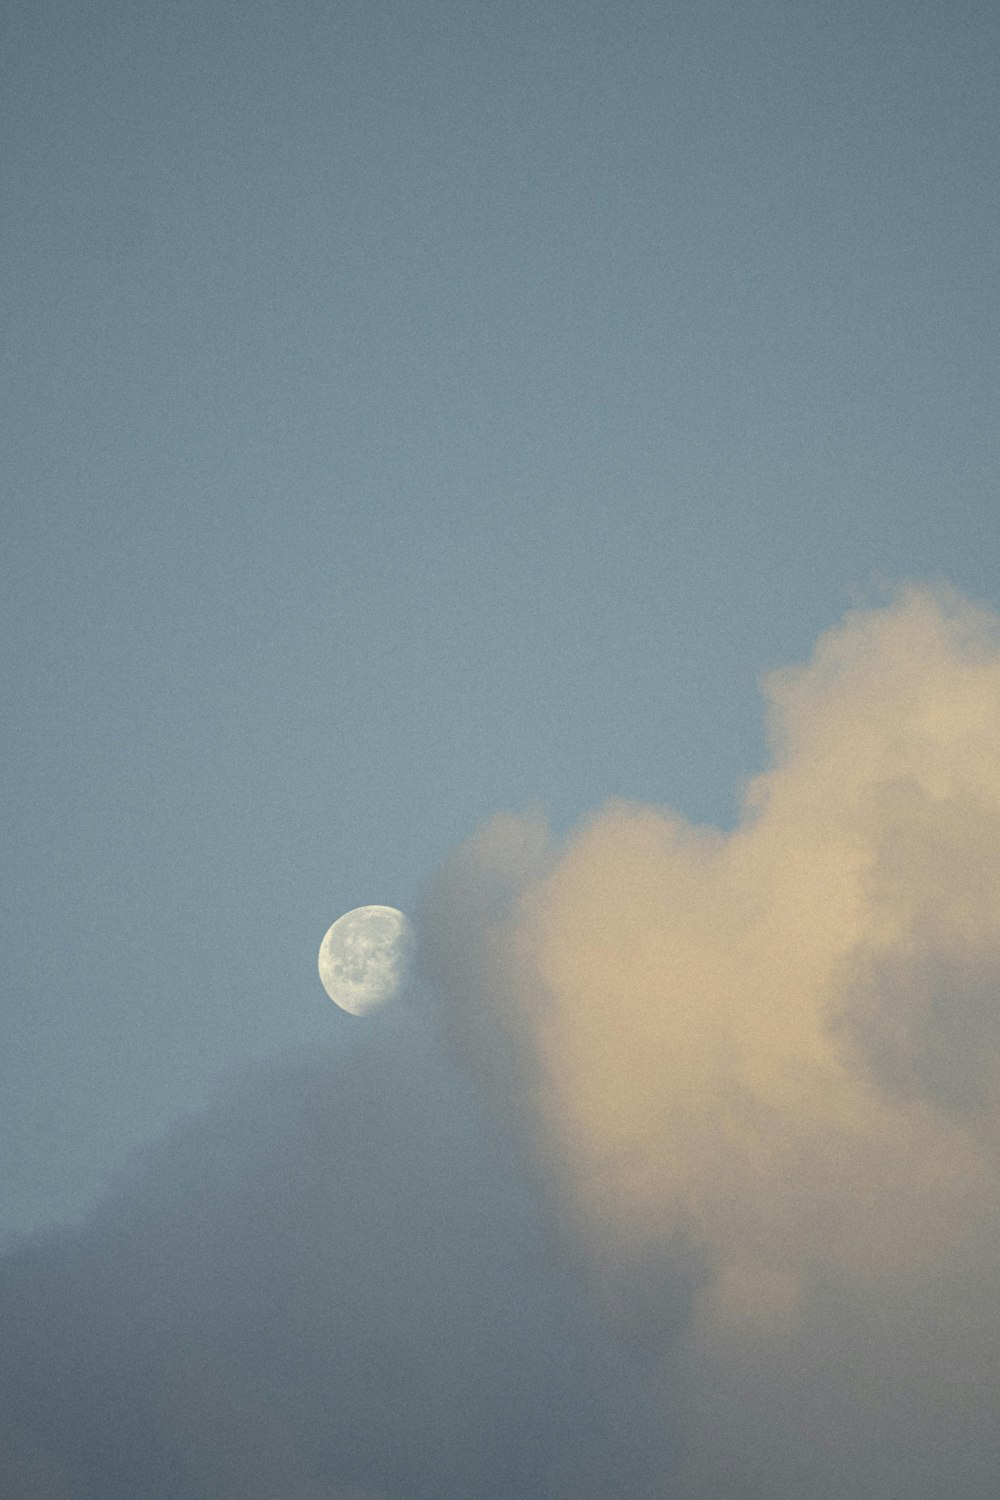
(365, 957)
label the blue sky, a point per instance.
(419, 411)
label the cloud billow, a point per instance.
(756, 1075)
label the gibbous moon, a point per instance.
(365, 957)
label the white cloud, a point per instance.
(758, 1074)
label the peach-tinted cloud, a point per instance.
(758, 1074)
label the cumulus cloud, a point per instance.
(756, 1075)
(326, 1288)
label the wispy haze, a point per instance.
(327, 1288)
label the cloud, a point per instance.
(756, 1075)
(326, 1288)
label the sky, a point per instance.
(535, 466)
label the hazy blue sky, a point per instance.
(420, 410)
(415, 411)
